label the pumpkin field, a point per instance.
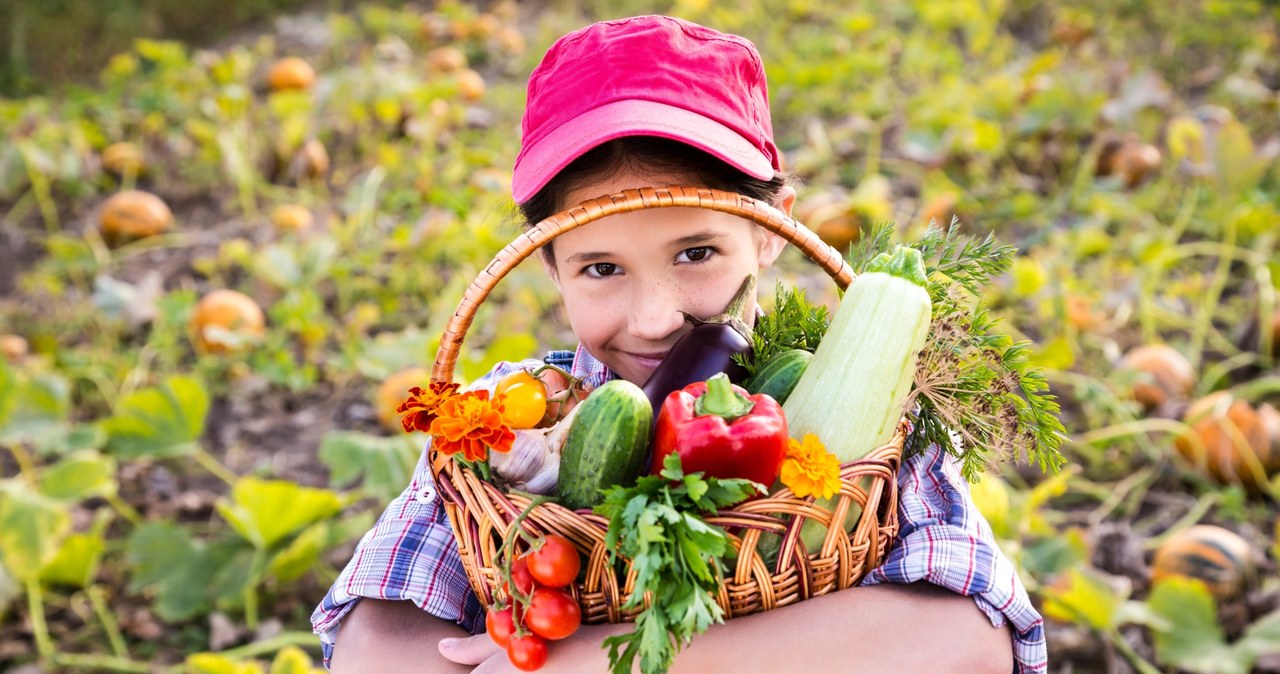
(223, 265)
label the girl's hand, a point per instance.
(476, 650)
(578, 654)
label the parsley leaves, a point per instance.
(678, 559)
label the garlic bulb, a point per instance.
(533, 464)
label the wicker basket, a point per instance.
(481, 514)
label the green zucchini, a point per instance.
(607, 443)
(780, 374)
(855, 390)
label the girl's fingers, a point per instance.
(471, 650)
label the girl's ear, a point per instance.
(771, 244)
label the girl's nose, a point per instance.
(654, 314)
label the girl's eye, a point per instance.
(600, 269)
(699, 254)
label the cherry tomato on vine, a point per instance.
(528, 652)
(524, 399)
(552, 614)
(524, 580)
(556, 563)
(500, 624)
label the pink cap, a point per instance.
(645, 76)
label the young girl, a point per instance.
(651, 101)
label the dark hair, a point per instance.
(644, 154)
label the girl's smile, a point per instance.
(628, 279)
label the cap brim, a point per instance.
(542, 160)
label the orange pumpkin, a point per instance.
(225, 321)
(291, 218)
(290, 73)
(470, 85)
(1236, 438)
(13, 347)
(1163, 374)
(1134, 162)
(133, 214)
(394, 390)
(446, 59)
(1221, 559)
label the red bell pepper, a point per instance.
(719, 429)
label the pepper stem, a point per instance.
(721, 400)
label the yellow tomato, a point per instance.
(523, 398)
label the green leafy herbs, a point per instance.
(794, 323)
(975, 392)
(678, 558)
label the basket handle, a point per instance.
(591, 210)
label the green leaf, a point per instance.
(34, 409)
(1086, 599)
(264, 512)
(10, 589)
(1262, 637)
(164, 420)
(301, 554)
(509, 347)
(176, 569)
(79, 476)
(31, 526)
(385, 462)
(1192, 639)
(76, 562)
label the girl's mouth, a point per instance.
(646, 361)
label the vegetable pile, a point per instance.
(735, 413)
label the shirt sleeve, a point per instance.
(410, 554)
(944, 540)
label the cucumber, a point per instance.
(779, 375)
(607, 443)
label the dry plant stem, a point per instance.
(100, 663)
(26, 466)
(1138, 481)
(126, 511)
(108, 620)
(1192, 517)
(1139, 663)
(1211, 298)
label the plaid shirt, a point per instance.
(410, 554)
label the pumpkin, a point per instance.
(470, 85)
(290, 73)
(940, 209)
(1134, 162)
(225, 321)
(1221, 559)
(1163, 373)
(1237, 440)
(394, 390)
(133, 214)
(291, 218)
(310, 162)
(123, 158)
(446, 59)
(13, 347)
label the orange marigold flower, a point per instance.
(810, 469)
(471, 423)
(420, 409)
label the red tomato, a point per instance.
(528, 652)
(552, 614)
(556, 563)
(500, 625)
(520, 574)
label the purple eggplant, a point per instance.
(704, 351)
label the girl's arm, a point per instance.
(381, 637)
(884, 628)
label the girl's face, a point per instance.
(626, 278)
